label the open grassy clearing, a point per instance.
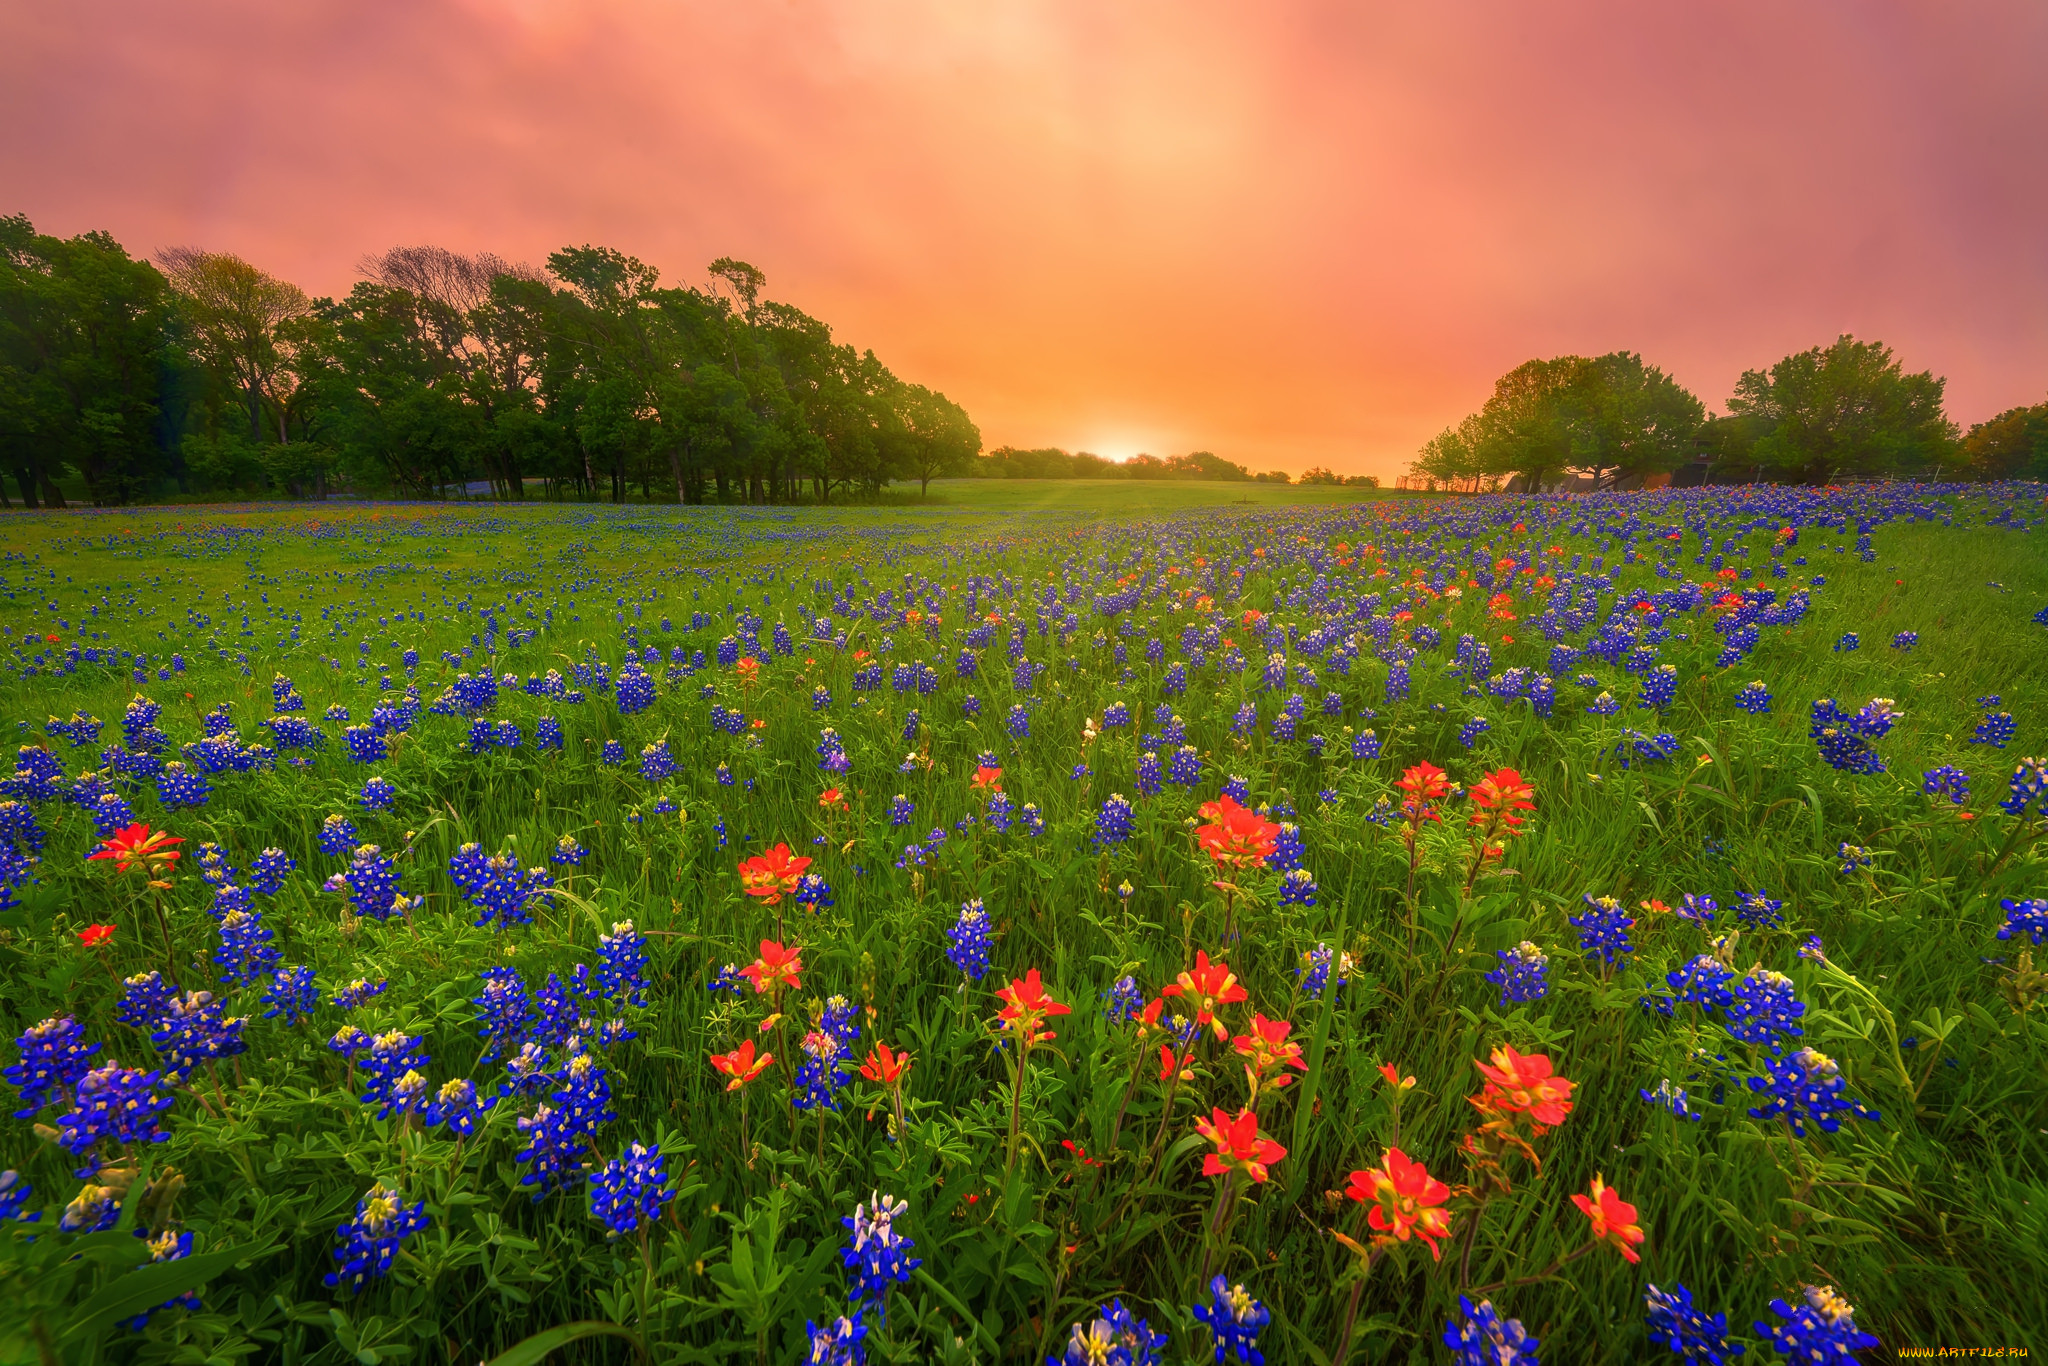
(1126, 664)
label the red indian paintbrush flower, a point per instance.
(1500, 796)
(987, 778)
(1238, 1145)
(1614, 1219)
(773, 875)
(1236, 837)
(1499, 799)
(1206, 987)
(776, 967)
(1147, 1021)
(832, 799)
(1424, 786)
(1268, 1049)
(741, 1064)
(1026, 1007)
(92, 936)
(884, 1066)
(1405, 1200)
(1520, 1083)
(137, 847)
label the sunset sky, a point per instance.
(1289, 233)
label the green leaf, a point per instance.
(1820, 829)
(980, 1328)
(1305, 1099)
(149, 1286)
(535, 1349)
(1181, 1148)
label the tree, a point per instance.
(391, 399)
(934, 436)
(1009, 462)
(1204, 465)
(1452, 456)
(1629, 419)
(1089, 465)
(1316, 474)
(745, 281)
(235, 312)
(437, 368)
(487, 319)
(1526, 427)
(835, 395)
(2013, 445)
(1848, 408)
(683, 366)
(1727, 444)
(84, 334)
(1611, 417)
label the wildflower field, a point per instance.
(1488, 931)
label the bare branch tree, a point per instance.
(236, 310)
(445, 277)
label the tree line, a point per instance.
(1050, 462)
(1846, 410)
(198, 372)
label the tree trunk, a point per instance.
(27, 484)
(53, 497)
(675, 469)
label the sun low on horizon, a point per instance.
(1293, 236)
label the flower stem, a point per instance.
(1016, 1107)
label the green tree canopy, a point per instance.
(1847, 408)
(236, 314)
(2013, 445)
(1609, 417)
(85, 337)
(934, 435)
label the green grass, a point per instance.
(1928, 1221)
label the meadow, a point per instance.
(1045, 924)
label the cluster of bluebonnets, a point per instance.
(523, 889)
